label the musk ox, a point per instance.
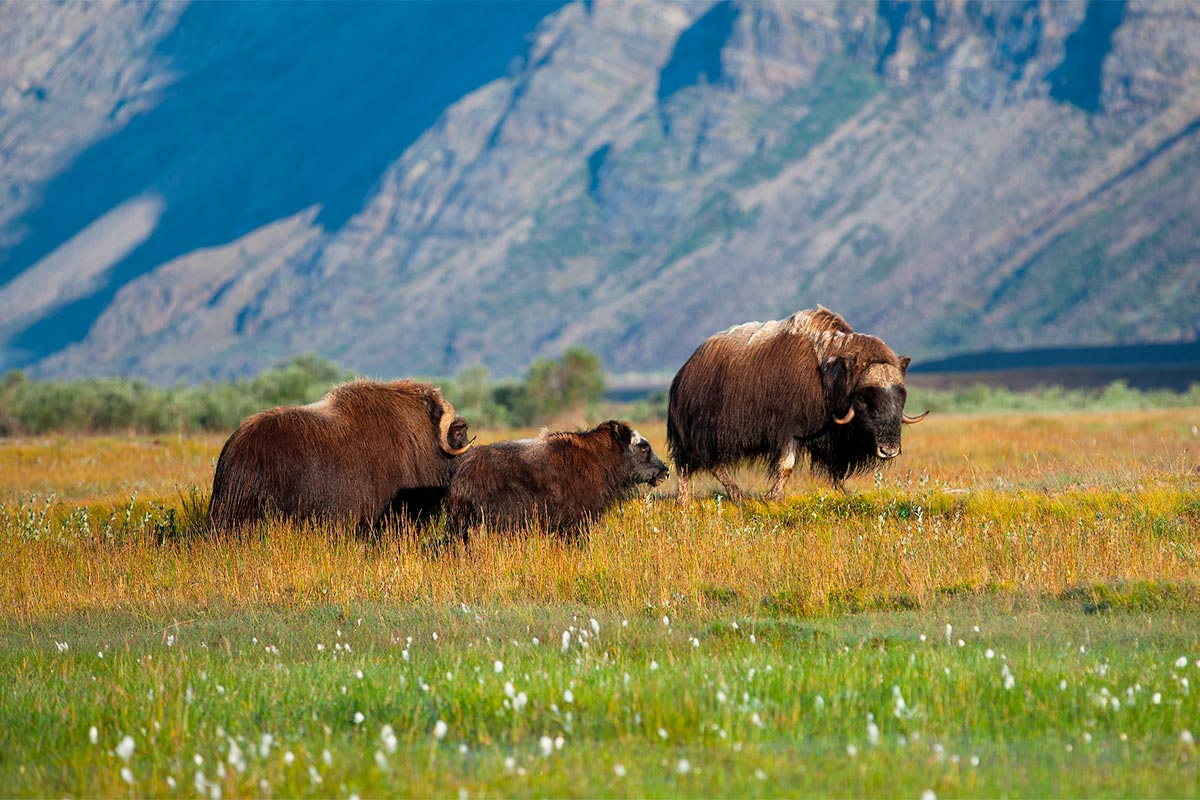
(558, 480)
(770, 390)
(363, 449)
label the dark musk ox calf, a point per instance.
(559, 481)
(772, 390)
(364, 448)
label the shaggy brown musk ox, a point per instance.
(558, 480)
(770, 390)
(364, 448)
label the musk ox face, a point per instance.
(456, 436)
(876, 408)
(638, 457)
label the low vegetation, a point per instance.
(1011, 609)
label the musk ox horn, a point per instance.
(448, 415)
(914, 420)
(843, 420)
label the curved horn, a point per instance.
(914, 420)
(448, 416)
(843, 420)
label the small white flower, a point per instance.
(327, 757)
(653, 666)
(1062, 685)
(439, 730)
(358, 674)
(568, 696)
(619, 769)
(683, 767)
(1186, 737)
(388, 736)
(666, 621)
(928, 795)
(510, 763)
(125, 748)
(498, 666)
(358, 718)
(127, 774)
(595, 627)
(546, 744)
(566, 640)
(974, 761)
(922, 637)
(559, 741)
(313, 775)
(695, 642)
(662, 733)
(851, 750)
(289, 757)
(872, 733)
(264, 747)
(949, 632)
(989, 654)
(760, 775)
(93, 734)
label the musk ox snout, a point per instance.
(887, 451)
(643, 463)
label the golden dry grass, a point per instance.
(1023, 503)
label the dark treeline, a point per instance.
(550, 389)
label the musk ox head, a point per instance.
(870, 398)
(638, 458)
(452, 429)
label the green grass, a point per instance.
(756, 707)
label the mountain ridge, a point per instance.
(645, 174)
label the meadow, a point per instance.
(1011, 608)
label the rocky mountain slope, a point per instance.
(408, 188)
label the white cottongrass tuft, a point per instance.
(662, 733)
(327, 757)
(928, 795)
(439, 730)
(264, 747)
(683, 767)
(1185, 737)
(498, 666)
(595, 626)
(546, 745)
(388, 737)
(127, 774)
(619, 770)
(93, 735)
(566, 640)
(358, 718)
(381, 761)
(125, 748)
(872, 733)
(851, 750)
(289, 757)
(989, 654)
(568, 696)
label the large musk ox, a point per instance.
(771, 390)
(363, 449)
(558, 480)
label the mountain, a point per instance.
(197, 192)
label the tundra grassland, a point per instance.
(1011, 608)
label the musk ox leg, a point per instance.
(736, 495)
(781, 471)
(685, 487)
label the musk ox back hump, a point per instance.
(347, 456)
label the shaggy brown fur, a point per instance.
(364, 448)
(766, 391)
(558, 480)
